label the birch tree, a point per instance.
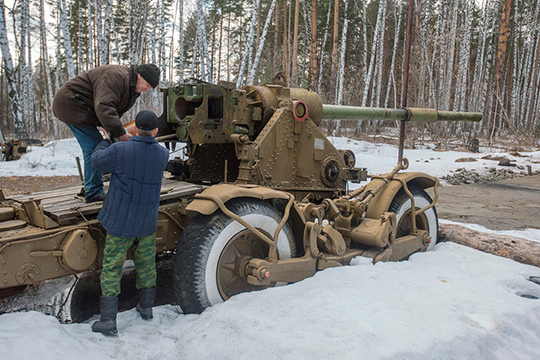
(48, 80)
(13, 91)
(23, 69)
(181, 64)
(251, 76)
(392, 80)
(249, 44)
(66, 38)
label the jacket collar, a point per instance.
(145, 139)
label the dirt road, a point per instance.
(505, 205)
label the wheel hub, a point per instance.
(233, 263)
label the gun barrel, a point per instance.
(337, 112)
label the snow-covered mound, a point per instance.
(450, 303)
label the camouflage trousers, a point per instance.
(114, 255)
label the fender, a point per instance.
(226, 192)
(380, 203)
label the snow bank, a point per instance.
(450, 303)
(57, 158)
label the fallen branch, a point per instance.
(517, 249)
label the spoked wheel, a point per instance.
(213, 251)
(401, 205)
(231, 275)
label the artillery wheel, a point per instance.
(210, 259)
(401, 205)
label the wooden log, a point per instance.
(517, 249)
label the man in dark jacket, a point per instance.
(129, 214)
(99, 97)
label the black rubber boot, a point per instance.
(107, 323)
(146, 301)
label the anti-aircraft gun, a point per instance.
(259, 198)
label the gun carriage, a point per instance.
(258, 199)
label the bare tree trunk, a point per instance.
(499, 67)
(13, 92)
(249, 45)
(31, 98)
(106, 37)
(294, 69)
(80, 40)
(313, 47)
(392, 79)
(90, 35)
(323, 48)
(335, 43)
(181, 65)
(23, 69)
(253, 70)
(284, 59)
(67, 39)
(163, 53)
(380, 57)
(220, 44)
(49, 93)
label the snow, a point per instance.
(382, 158)
(450, 303)
(57, 158)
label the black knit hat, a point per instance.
(150, 73)
(146, 120)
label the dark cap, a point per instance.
(150, 73)
(146, 120)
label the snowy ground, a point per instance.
(451, 303)
(57, 158)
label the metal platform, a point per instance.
(65, 207)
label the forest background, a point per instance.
(467, 55)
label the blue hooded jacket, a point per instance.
(131, 205)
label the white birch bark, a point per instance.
(380, 57)
(106, 35)
(323, 49)
(31, 98)
(80, 40)
(516, 86)
(13, 92)
(194, 58)
(58, 77)
(99, 32)
(49, 88)
(163, 52)
(249, 44)
(23, 69)
(116, 45)
(200, 46)
(90, 35)
(451, 53)
(460, 103)
(181, 63)
(204, 43)
(391, 79)
(375, 41)
(67, 39)
(253, 70)
(341, 71)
